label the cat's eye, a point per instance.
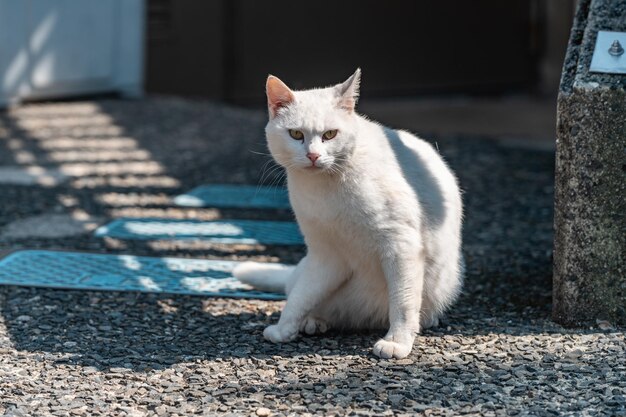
(296, 134)
(329, 134)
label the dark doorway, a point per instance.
(225, 49)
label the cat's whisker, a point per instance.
(264, 169)
(270, 174)
(259, 153)
(277, 180)
(268, 165)
(265, 174)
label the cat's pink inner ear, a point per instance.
(278, 94)
(349, 91)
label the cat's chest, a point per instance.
(317, 205)
(334, 208)
(333, 224)
(359, 208)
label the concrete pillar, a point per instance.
(590, 189)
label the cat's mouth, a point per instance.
(315, 167)
(318, 167)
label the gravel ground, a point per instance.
(96, 353)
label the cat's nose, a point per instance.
(313, 156)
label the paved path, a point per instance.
(75, 165)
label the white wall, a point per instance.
(61, 48)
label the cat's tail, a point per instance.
(264, 276)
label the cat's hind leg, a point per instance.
(442, 285)
(429, 313)
(428, 321)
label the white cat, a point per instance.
(381, 215)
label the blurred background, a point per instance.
(484, 67)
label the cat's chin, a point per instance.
(315, 169)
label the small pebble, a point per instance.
(604, 325)
(262, 411)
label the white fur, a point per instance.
(381, 216)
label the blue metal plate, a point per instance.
(90, 271)
(220, 231)
(236, 196)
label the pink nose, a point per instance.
(313, 156)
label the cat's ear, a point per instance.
(278, 95)
(348, 91)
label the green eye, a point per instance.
(330, 134)
(296, 134)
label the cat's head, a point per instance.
(312, 130)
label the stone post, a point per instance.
(590, 185)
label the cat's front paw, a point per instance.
(393, 346)
(280, 334)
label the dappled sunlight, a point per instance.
(21, 155)
(202, 284)
(99, 156)
(167, 306)
(111, 168)
(94, 145)
(161, 228)
(93, 120)
(59, 110)
(79, 146)
(89, 222)
(115, 244)
(45, 176)
(43, 69)
(50, 226)
(31, 175)
(225, 231)
(129, 181)
(103, 132)
(78, 270)
(203, 245)
(67, 200)
(14, 75)
(44, 29)
(130, 262)
(199, 265)
(133, 199)
(83, 142)
(169, 212)
(43, 59)
(148, 284)
(120, 179)
(24, 157)
(14, 144)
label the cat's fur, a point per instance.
(381, 216)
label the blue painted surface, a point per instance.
(90, 271)
(219, 231)
(236, 196)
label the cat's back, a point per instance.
(410, 159)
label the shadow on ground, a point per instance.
(149, 331)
